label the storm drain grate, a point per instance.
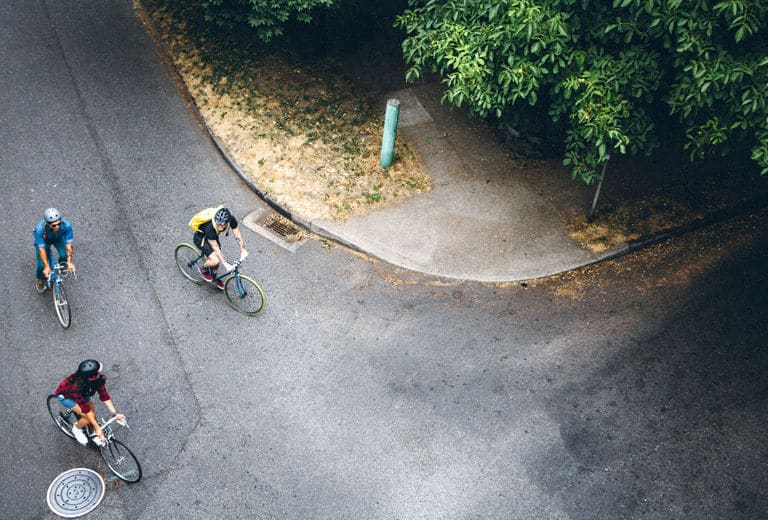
(75, 492)
(276, 228)
(280, 226)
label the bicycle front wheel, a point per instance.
(61, 304)
(187, 260)
(62, 416)
(244, 295)
(121, 461)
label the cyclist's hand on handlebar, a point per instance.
(71, 266)
(120, 418)
(243, 254)
(47, 272)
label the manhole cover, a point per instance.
(75, 492)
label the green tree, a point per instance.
(604, 70)
(267, 17)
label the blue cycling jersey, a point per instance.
(45, 236)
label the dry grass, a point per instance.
(629, 220)
(300, 132)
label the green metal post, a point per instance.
(390, 132)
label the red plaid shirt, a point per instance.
(70, 391)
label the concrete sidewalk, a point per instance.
(479, 222)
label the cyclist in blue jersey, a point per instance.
(52, 231)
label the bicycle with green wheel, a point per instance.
(116, 455)
(242, 293)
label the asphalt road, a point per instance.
(635, 389)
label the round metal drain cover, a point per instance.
(75, 492)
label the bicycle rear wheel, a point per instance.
(244, 295)
(61, 304)
(121, 461)
(62, 416)
(187, 260)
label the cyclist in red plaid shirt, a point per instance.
(76, 392)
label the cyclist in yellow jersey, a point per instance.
(207, 239)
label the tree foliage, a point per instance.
(604, 69)
(267, 17)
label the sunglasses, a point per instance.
(55, 224)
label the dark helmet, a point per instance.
(222, 217)
(89, 368)
(51, 215)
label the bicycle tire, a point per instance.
(61, 415)
(121, 461)
(185, 255)
(61, 305)
(247, 299)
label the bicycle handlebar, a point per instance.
(234, 265)
(113, 419)
(62, 270)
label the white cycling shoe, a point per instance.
(80, 435)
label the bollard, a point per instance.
(597, 192)
(390, 132)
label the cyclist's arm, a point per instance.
(70, 263)
(239, 239)
(113, 411)
(91, 418)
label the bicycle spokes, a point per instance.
(121, 461)
(187, 260)
(244, 295)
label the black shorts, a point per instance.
(204, 245)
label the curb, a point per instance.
(716, 217)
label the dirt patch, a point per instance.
(660, 269)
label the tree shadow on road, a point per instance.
(672, 423)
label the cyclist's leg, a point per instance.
(61, 249)
(70, 404)
(82, 420)
(211, 261)
(199, 240)
(205, 247)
